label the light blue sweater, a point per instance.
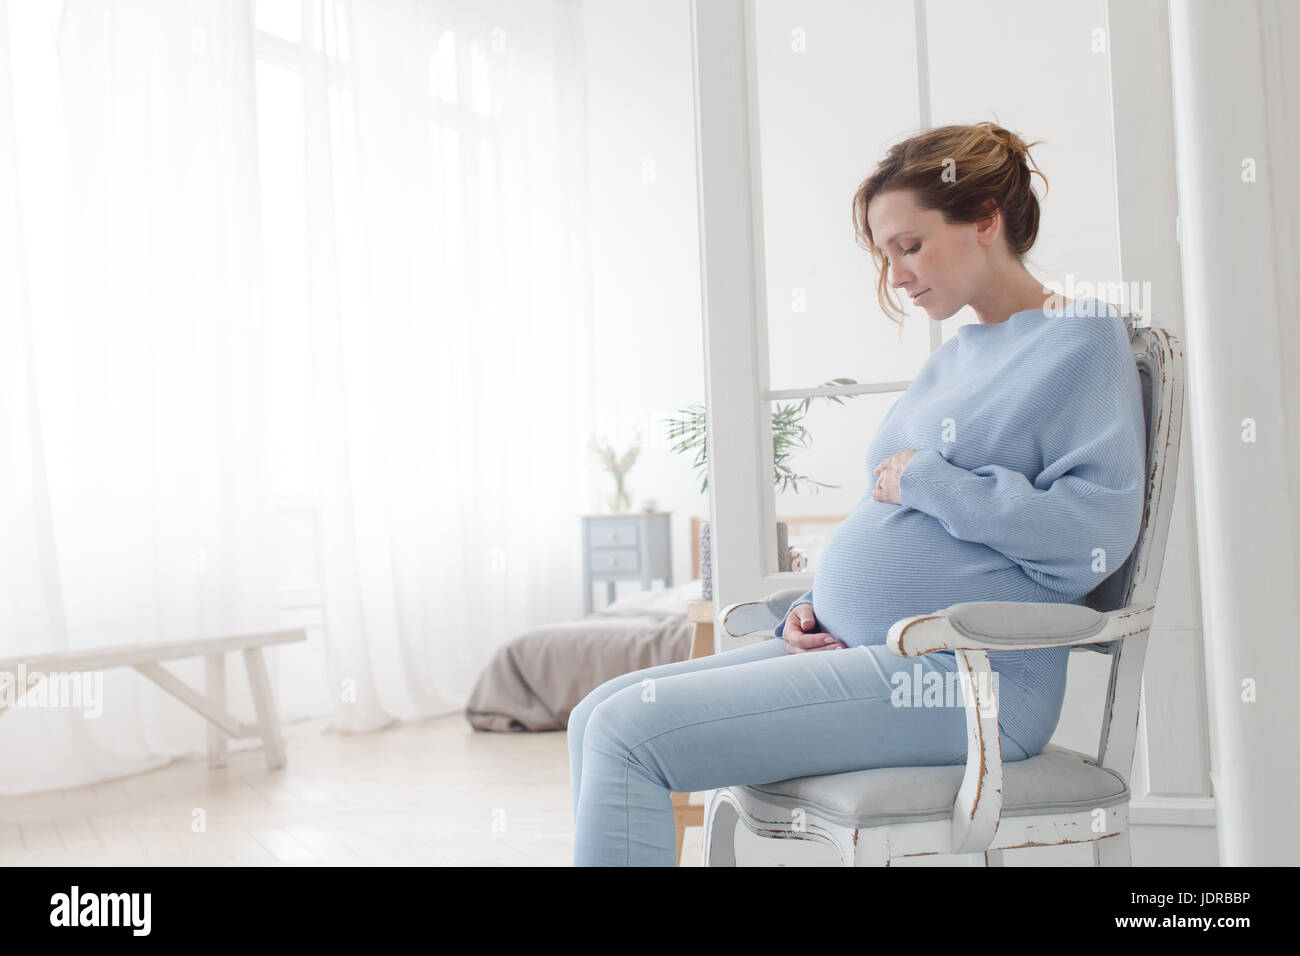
(1027, 485)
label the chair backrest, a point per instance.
(1159, 357)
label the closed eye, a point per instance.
(906, 252)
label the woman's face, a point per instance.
(938, 261)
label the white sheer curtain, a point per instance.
(444, 179)
(293, 329)
(136, 483)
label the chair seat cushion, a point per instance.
(1056, 780)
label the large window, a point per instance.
(309, 193)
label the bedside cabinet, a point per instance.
(626, 547)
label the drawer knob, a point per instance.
(613, 535)
(613, 561)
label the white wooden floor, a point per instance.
(430, 793)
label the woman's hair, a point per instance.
(965, 172)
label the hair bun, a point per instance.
(1016, 148)
(1005, 138)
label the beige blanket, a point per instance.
(533, 682)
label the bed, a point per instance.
(535, 681)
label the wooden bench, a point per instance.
(148, 658)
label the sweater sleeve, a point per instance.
(805, 598)
(1078, 520)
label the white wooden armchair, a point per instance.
(1056, 797)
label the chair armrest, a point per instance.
(973, 629)
(977, 811)
(747, 617)
(1013, 626)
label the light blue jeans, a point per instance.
(756, 714)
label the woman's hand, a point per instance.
(801, 633)
(887, 474)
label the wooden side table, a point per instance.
(701, 613)
(625, 547)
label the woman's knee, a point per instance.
(643, 680)
(619, 718)
(581, 715)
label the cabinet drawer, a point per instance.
(613, 534)
(615, 559)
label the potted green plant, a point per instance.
(788, 434)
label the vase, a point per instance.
(706, 551)
(622, 500)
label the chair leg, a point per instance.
(720, 822)
(1112, 851)
(993, 858)
(871, 848)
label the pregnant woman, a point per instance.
(1011, 469)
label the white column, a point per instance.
(742, 515)
(1231, 81)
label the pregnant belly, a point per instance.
(886, 562)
